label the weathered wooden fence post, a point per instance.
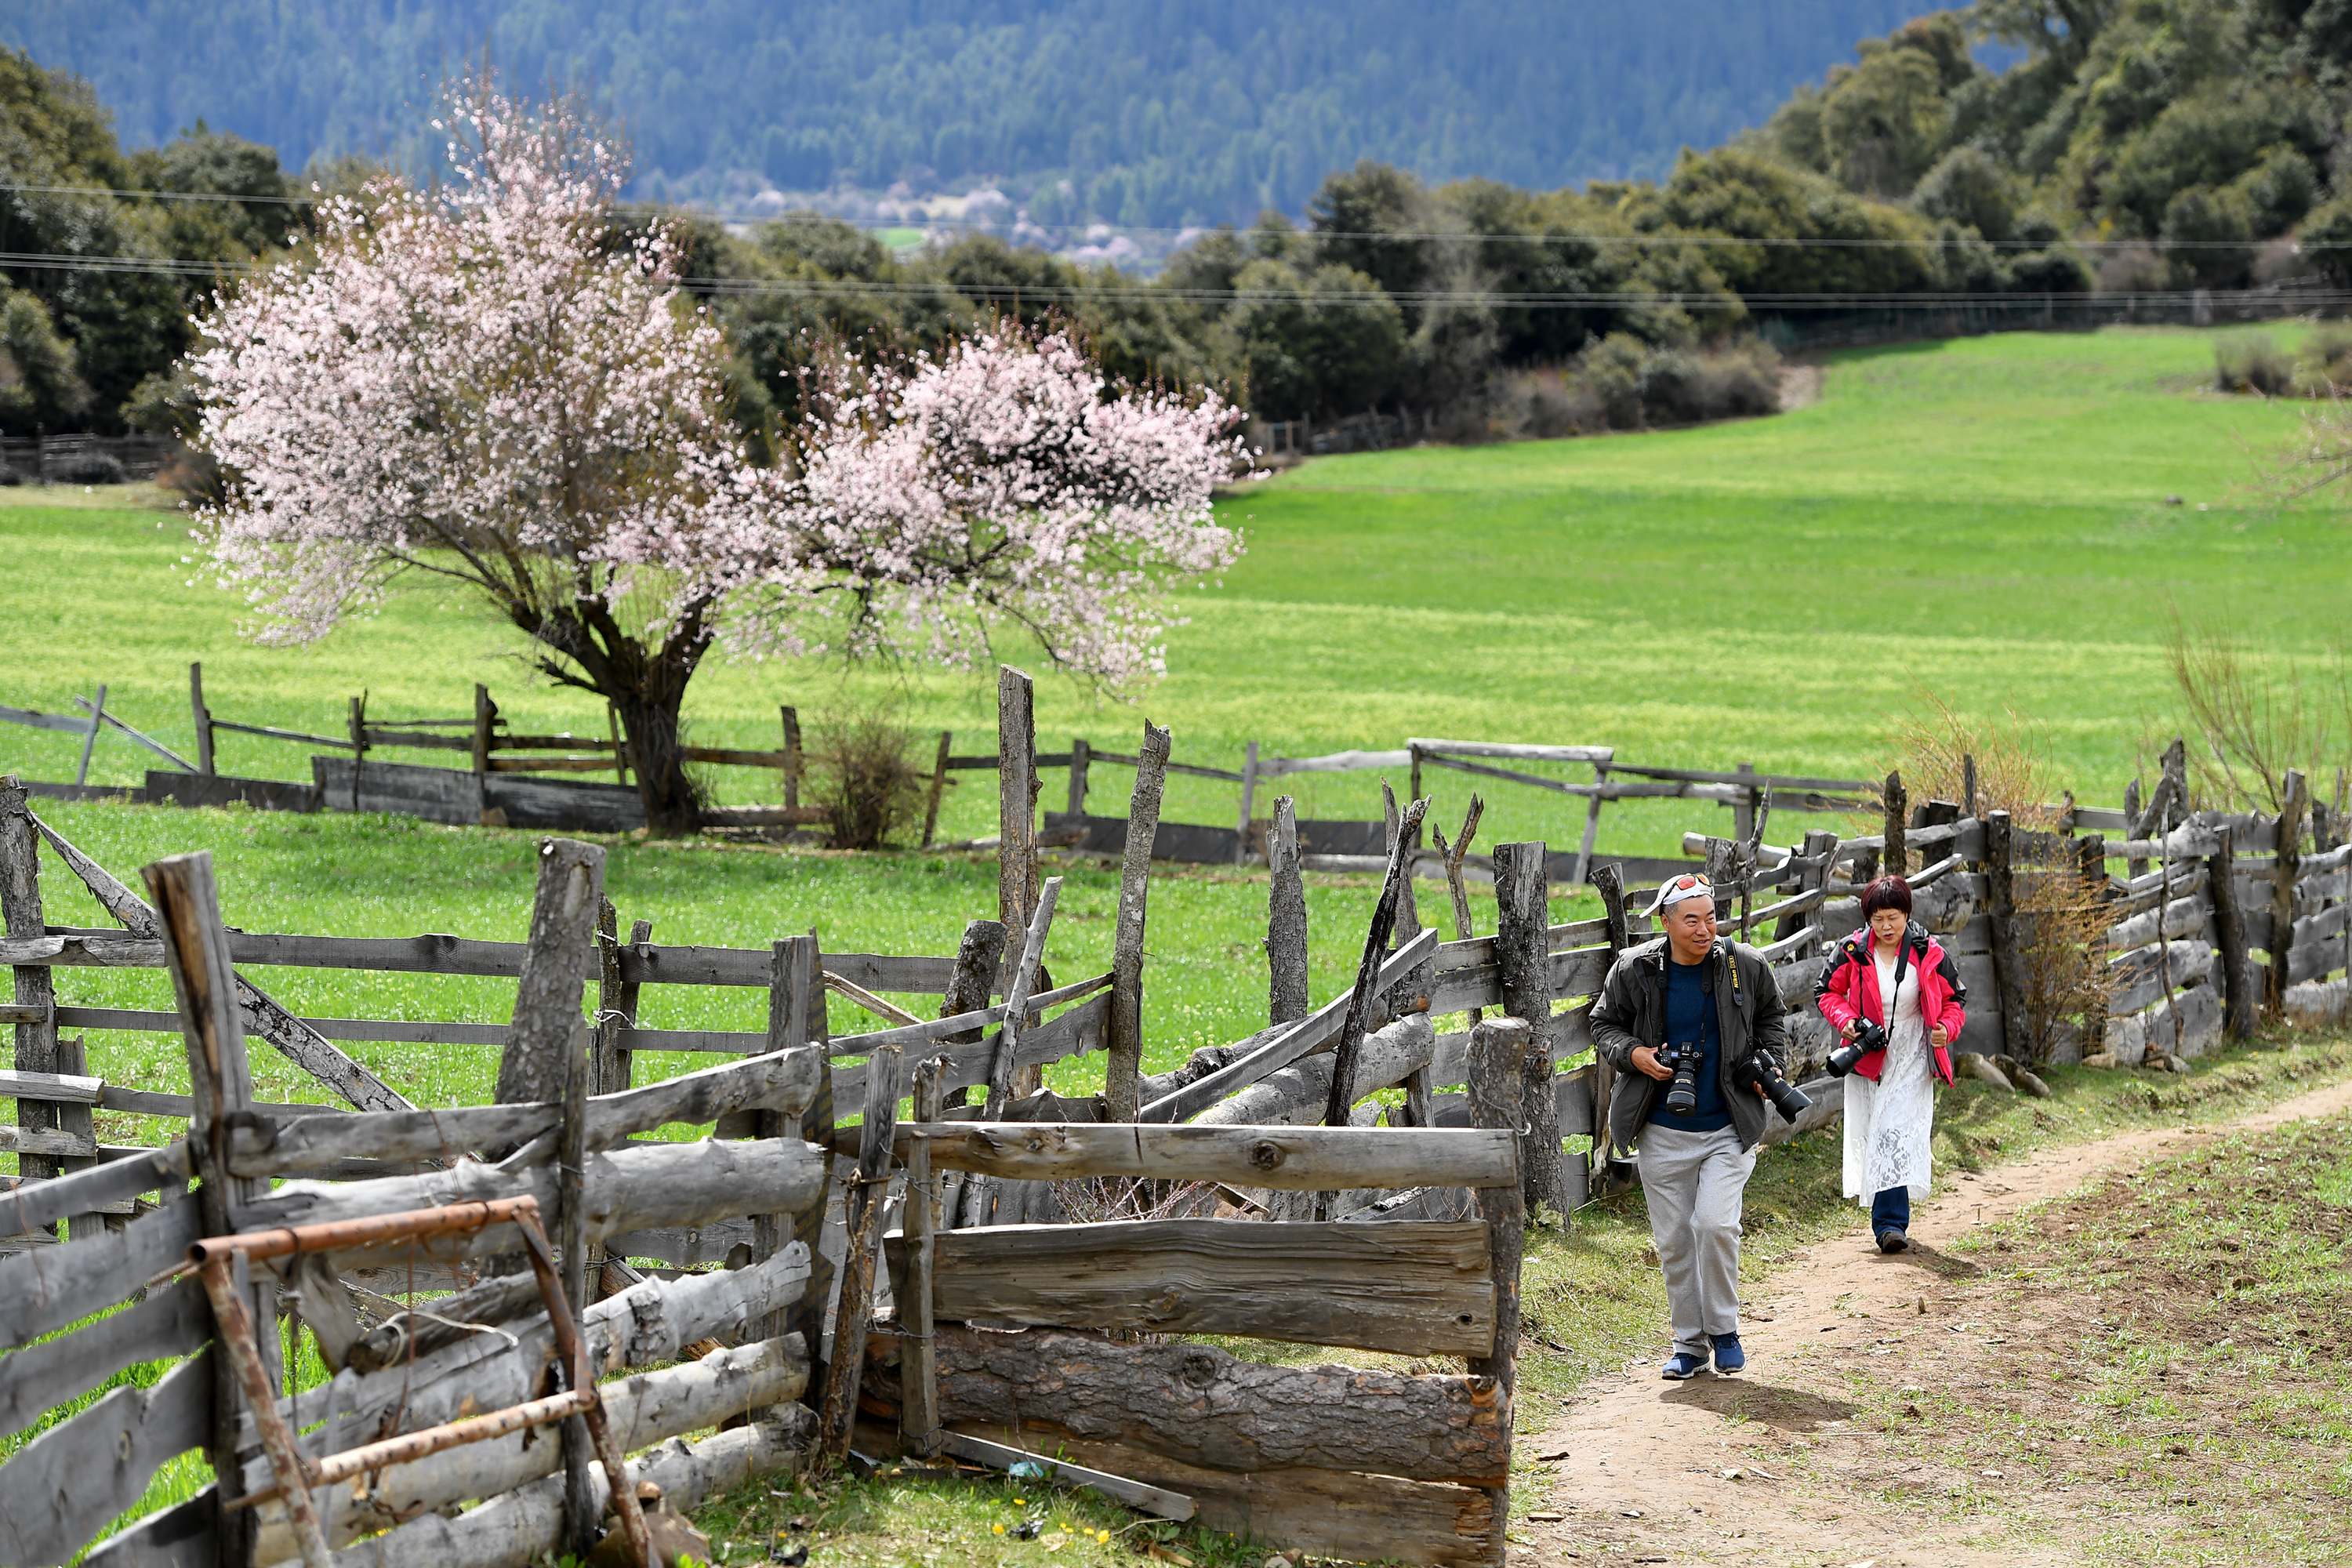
(939, 789)
(1122, 1078)
(485, 713)
(1608, 881)
(1003, 1067)
(2293, 805)
(20, 902)
(203, 719)
(196, 951)
(861, 1210)
(1286, 920)
(1743, 810)
(1249, 796)
(792, 757)
(1897, 804)
(919, 1384)
(2133, 868)
(544, 1059)
(796, 1016)
(1016, 798)
(1499, 1051)
(2091, 861)
(1081, 756)
(1410, 994)
(2230, 934)
(1522, 953)
(2007, 960)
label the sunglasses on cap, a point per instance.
(1682, 889)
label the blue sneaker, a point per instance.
(1682, 1364)
(1728, 1356)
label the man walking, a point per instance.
(1707, 1002)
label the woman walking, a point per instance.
(1896, 1053)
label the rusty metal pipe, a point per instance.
(575, 1352)
(336, 1235)
(292, 1468)
(413, 1446)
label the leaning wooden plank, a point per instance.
(292, 1038)
(1327, 1514)
(649, 1324)
(1145, 1499)
(519, 1527)
(68, 1483)
(57, 1087)
(627, 1189)
(33, 1205)
(1199, 1405)
(644, 1410)
(50, 1286)
(172, 1322)
(1310, 1031)
(1415, 1289)
(778, 1081)
(1294, 1159)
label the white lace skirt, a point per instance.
(1888, 1123)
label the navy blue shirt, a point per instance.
(1690, 1015)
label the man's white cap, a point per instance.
(1681, 890)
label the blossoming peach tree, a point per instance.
(485, 383)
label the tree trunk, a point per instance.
(659, 759)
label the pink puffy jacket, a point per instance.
(1848, 990)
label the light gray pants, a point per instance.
(1693, 1183)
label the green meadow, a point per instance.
(1984, 521)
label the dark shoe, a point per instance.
(1728, 1356)
(1682, 1364)
(1893, 1241)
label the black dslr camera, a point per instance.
(1868, 1037)
(1681, 1058)
(1757, 1070)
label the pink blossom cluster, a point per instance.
(1003, 480)
(483, 383)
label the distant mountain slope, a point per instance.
(1180, 111)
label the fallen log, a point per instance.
(1298, 1093)
(1199, 1405)
(1418, 1289)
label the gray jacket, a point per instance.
(1632, 1012)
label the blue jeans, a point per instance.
(1891, 1210)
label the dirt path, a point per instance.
(1641, 1463)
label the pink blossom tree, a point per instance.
(479, 384)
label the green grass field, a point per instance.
(1982, 521)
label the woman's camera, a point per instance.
(1868, 1037)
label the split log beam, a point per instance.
(1416, 1288)
(1286, 1158)
(1199, 1405)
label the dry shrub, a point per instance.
(1932, 753)
(2061, 927)
(863, 773)
(2254, 717)
(1093, 1199)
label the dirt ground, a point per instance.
(1787, 1463)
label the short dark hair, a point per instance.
(1886, 893)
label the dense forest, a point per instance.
(2145, 144)
(1166, 113)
